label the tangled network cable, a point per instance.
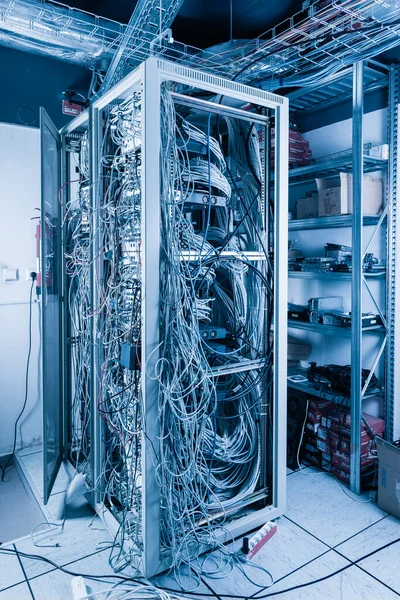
(210, 426)
(77, 266)
(120, 321)
(214, 418)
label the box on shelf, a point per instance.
(307, 208)
(299, 149)
(379, 151)
(335, 195)
(341, 420)
(389, 477)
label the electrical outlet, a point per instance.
(28, 273)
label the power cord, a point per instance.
(3, 469)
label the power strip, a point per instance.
(258, 540)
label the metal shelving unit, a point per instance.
(354, 85)
(331, 276)
(344, 332)
(332, 222)
(308, 388)
(332, 166)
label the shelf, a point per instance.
(308, 388)
(334, 276)
(331, 167)
(344, 332)
(330, 222)
(337, 89)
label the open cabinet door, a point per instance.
(50, 283)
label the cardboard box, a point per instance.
(320, 406)
(335, 195)
(389, 477)
(307, 208)
(341, 421)
(312, 427)
(342, 461)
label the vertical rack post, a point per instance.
(64, 305)
(280, 302)
(356, 282)
(392, 418)
(97, 449)
(151, 187)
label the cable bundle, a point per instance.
(210, 426)
(77, 265)
(120, 321)
(213, 425)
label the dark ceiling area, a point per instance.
(203, 23)
(30, 81)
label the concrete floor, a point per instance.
(19, 512)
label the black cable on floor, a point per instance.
(197, 594)
(28, 360)
(23, 570)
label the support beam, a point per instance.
(356, 282)
(392, 411)
(149, 19)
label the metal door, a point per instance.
(51, 301)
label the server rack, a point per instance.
(135, 357)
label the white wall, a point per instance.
(19, 197)
(325, 349)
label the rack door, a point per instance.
(50, 283)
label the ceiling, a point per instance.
(202, 23)
(30, 81)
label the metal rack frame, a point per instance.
(148, 78)
(358, 163)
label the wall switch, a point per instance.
(10, 274)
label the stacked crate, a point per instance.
(299, 149)
(326, 441)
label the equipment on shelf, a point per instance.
(367, 320)
(337, 258)
(295, 256)
(298, 312)
(338, 378)
(328, 310)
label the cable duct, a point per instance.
(56, 30)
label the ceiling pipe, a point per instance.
(58, 31)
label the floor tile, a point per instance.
(376, 536)
(10, 569)
(288, 549)
(350, 584)
(317, 502)
(385, 565)
(56, 585)
(19, 512)
(77, 540)
(18, 592)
